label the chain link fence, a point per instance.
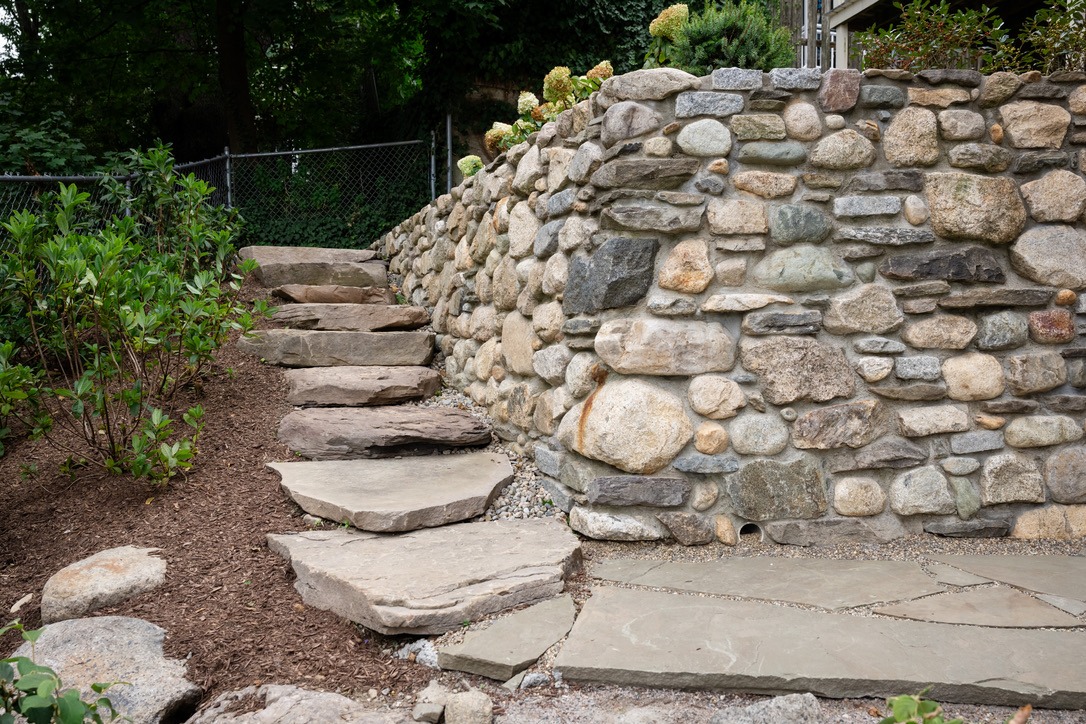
(337, 197)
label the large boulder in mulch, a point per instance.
(273, 704)
(334, 294)
(430, 581)
(344, 433)
(106, 578)
(315, 348)
(278, 265)
(105, 649)
(360, 386)
(351, 317)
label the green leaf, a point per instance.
(70, 710)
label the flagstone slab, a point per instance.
(1058, 575)
(392, 496)
(832, 584)
(334, 294)
(279, 265)
(345, 433)
(992, 606)
(317, 348)
(512, 644)
(1073, 607)
(659, 639)
(430, 581)
(950, 576)
(351, 317)
(353, 386)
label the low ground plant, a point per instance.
(747, 34)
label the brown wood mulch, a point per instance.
(228, 605)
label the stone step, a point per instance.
(334, 294)
(359, 386)
(279, 265)
(345, 433)
(430, 581)
(393, 496)
(351, 317)
(316, 348)
(659, 639)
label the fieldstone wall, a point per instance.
(833, 305)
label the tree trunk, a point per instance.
(234, 75)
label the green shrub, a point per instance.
(727, 35)
(1055, 38)
(117, 314)
(36, 693)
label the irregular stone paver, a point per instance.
(430, 581)
(950, 576)
(510, 645)
(291, 704)
(85, 651)
(315, 348)
(359, 386)
(334, 294)
(832, 584)
(343, 433)
(1058, 575)
(1075, 608)
(1004, 607)
(103, 579)
(391, 496)
(351, 317)
(648, 638)
(279, 265)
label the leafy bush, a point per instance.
(1055, 38)
(727, 35)
(36, 693)
(117, 314)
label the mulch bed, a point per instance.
(228, 605)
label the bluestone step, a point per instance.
(393, 496)
(991, 606)
(314, 348)
(359, 386)
(649, 638)
(278, 265)
(334, 294)
(351, 317)
(344, 433)
(430, 581)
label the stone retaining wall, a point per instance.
(831, 305)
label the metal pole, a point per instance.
(448, 150)
(433, 164)
(229, 180)
(812, 34)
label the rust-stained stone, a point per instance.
(1052, 326)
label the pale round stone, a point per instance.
(1077, 101)
(725, 531)
(715, 396)
(758, 434)
(912, 138)
(858, 496)
(989, 422)
(973, 376)
(874, 369)
(801, 121)
(916, 211)
(942, 331)
(658, 146)
(711, 438)
(687, 268)
(1059, 195)
(835, 122)
(706, 137)
(704, 496)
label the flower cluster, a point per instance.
(558, 85)
(601, 72)
(470, 165)
(526, 103)
(669, 22)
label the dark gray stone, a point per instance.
(645, 173)
(581, 325)
(707, 103)
(833, 531)
(1002, 331)
(561, 497)
(763, 323)
(971, 298)
(546, 239)
(881, 96)
(967, 78)
(975, 528)
(561, 203)
(878, 345)
(638, 490)
(653, 217)
(771, 490)
(690, 529)
(971, 264)
(784, 153)
(1065, 403)
(1010, 407)
(712, 185)
(922, 289)
(1034, 161)
(1067, 76)
(705, 464)
(886, 235)
(1041, 91)
(619, 273)
(890, 452)
(767, 105)
(886, 181)
(913, 392)
(798, 223)
(980, 156)
(976, 441)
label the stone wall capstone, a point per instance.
(793, 300)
